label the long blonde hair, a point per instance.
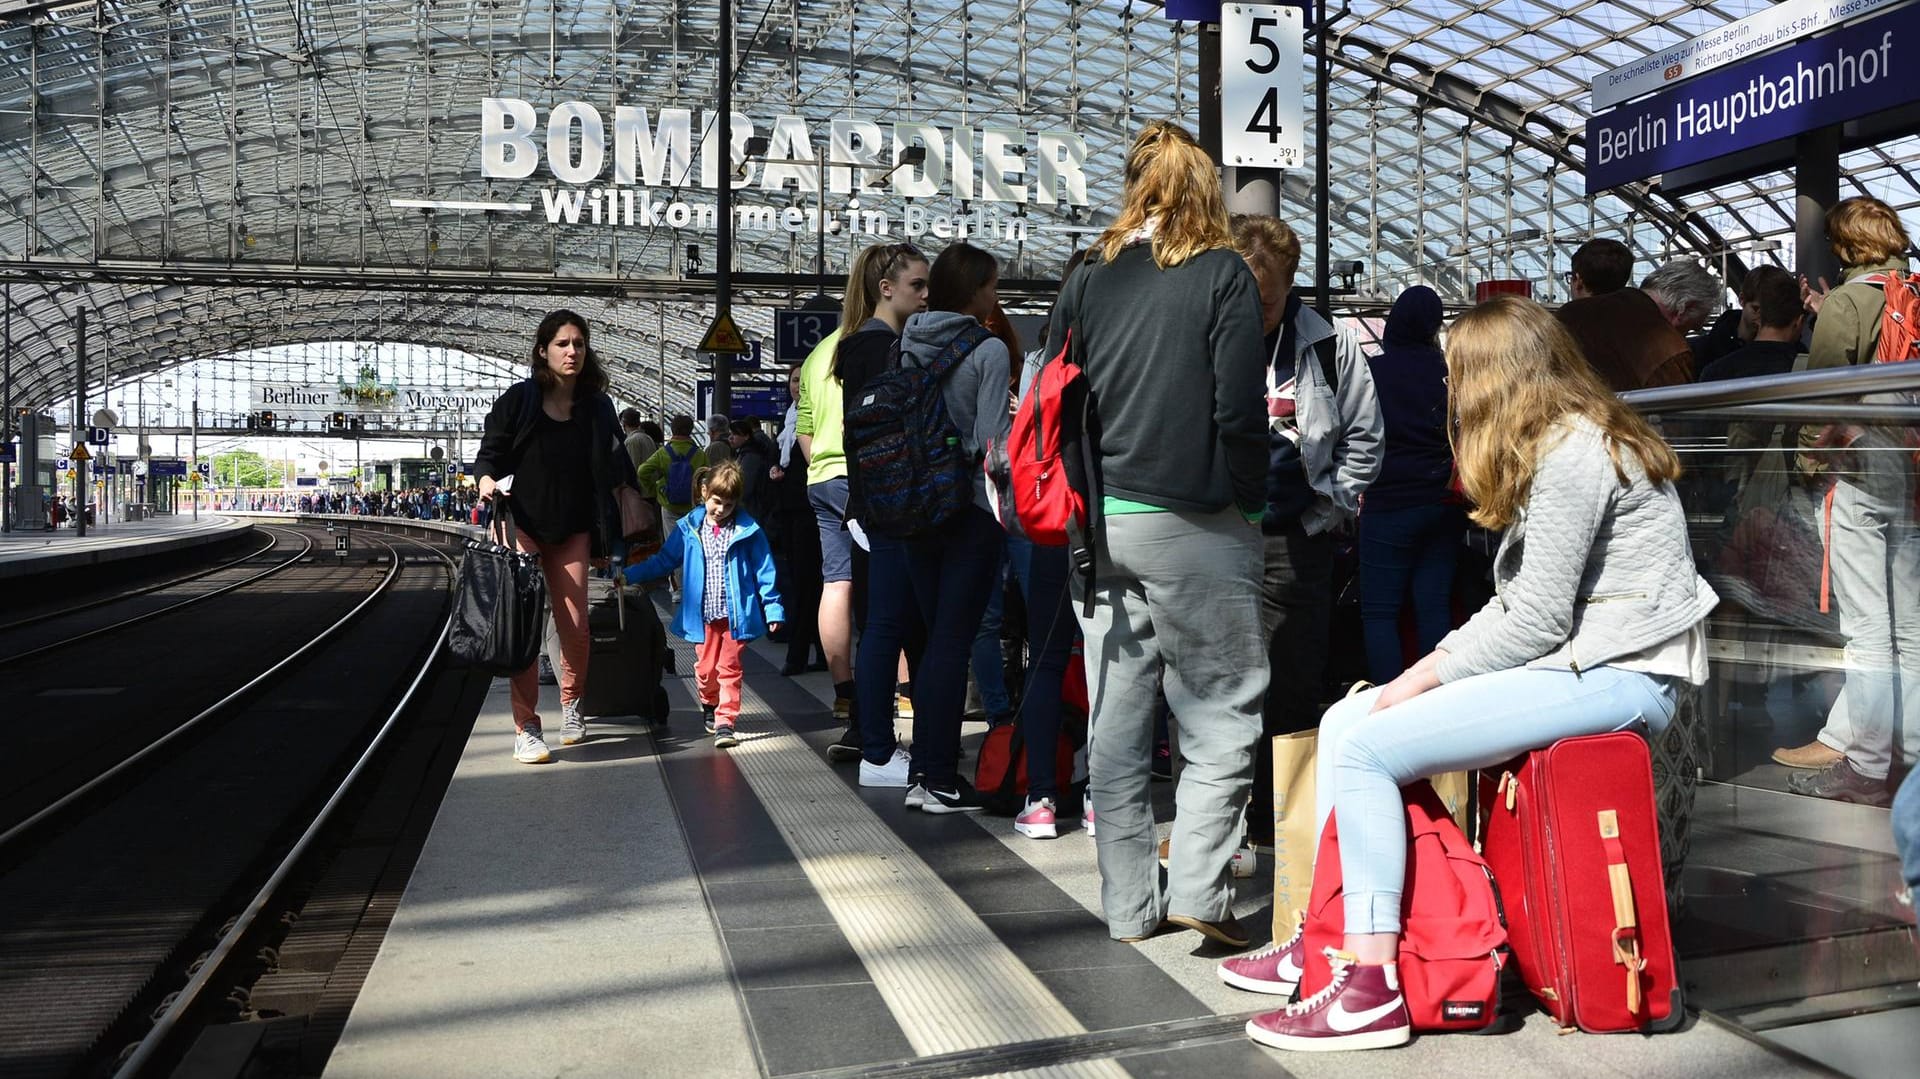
(1172, 183)
(1513, 372)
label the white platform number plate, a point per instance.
(1260, 91)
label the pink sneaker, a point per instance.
(1362, 1008)
(1086, 820)
(1036, 820)
(1275, 971)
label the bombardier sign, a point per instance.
(632, 168)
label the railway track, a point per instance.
(112, 888)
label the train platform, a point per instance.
(647, 905)
(30, 553)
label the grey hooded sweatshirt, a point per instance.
(975, 389)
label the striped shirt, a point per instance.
(714, 540)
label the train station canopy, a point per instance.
(210, 176)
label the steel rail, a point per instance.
(65, 801)
(144, 1052)
(104, 600)
(150, 615)
(1772, 389)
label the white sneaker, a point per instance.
(894, 773)
(1244, 862)
(529, 747)
(1086, 820)
(916, 797)
(573, 725)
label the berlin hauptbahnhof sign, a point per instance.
(1859, 69)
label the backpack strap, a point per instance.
(962, 345)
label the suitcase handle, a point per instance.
(1626, 920)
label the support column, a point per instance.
(1816, 187)
(80, 420)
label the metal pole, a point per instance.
(1322, 266)
(193, 472)
(820, 229)
(6, 413)
(80, 420)
(723, 263)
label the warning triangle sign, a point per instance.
(80, 452)
(724, 336)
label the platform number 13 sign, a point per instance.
(1260, 93)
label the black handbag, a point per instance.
(500, 603)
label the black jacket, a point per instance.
(510, 422)
(758, 494)
(1177, 365)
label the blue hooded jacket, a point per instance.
(752, 602)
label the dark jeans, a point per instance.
(1296, 610)
(892, 620)
(1406, 554)
(796, 560)
(1051, 629)
(952, 571)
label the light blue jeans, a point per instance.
(1365, 757)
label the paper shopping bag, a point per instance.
(1294, 835)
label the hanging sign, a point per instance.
(724, 336)
(1261, 117)
(1863, 68)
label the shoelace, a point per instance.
(1324, 995)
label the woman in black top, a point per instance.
(555, 436)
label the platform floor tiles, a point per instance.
(647, 905)
(34, 551)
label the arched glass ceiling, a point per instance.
(211, 176)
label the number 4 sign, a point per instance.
(1260, 93)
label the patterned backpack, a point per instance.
(915, 471)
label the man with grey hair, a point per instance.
(1687, 293)
(1632, 337)
(718, 448)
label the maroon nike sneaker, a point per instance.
(1275, 971)
(1362, 1008)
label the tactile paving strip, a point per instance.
(948, 980)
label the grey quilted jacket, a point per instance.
(1589, 571)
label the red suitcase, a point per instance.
(1572, 837)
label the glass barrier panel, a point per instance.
(1806, 527)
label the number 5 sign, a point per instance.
(1260, 94)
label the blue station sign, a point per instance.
(1859, 69)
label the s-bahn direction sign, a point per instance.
(1859, 69)
(1729, 44)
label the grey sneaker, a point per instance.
(1842, 784)
(707, 710)
(573, 725)
(723, 737)
(529, 747)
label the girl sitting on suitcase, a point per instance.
(727, 594)
(1597, 623)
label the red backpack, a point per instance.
(1453, 935)
(1050, 452)
(1900, 319)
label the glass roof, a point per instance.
(207, 177)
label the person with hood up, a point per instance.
(1411, 523)
(954, 567)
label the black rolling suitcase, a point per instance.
(628, 655)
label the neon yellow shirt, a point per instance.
(817, 413)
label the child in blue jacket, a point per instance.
(727, 595)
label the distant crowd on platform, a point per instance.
(1255, 464)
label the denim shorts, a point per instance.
(829, 501)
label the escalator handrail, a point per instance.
(1766, 389)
